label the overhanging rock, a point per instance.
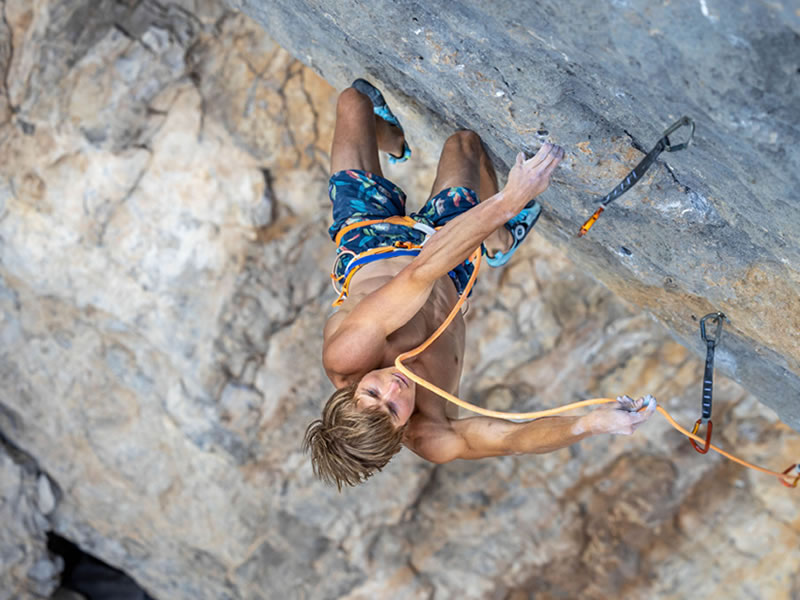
(712, 228)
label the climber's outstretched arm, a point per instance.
(481, 437)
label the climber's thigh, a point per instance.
(354, 143)
(459, 163)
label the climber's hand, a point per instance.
(624, 417)
(529, 178)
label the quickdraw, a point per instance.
(708, 377)
(663, 145)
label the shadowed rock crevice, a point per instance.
(92, 578)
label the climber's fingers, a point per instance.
(541, 155)
(547, 154)
(555, 157)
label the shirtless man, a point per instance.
(394, 304)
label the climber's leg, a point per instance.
(464, 163)
(359, 134)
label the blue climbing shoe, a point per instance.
(519, 227)
(381, 109)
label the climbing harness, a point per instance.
(341, 283)
(361, 259)
(708, 377)
(784, 477)
(663, 145)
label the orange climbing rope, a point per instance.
(784, 477)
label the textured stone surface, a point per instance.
(163, 284)
(27, 497)
(713, 228)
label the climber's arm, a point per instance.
(458, 239)
(482, 437)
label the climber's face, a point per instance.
(387, 390)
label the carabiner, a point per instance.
(590, 221)
(705, 448)
(796, 477)
(683, 121)
(719, 318)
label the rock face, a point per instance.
(708, 229)
(27, 570)
(163, 287)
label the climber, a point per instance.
(395, 300)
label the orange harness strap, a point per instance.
(394, 220)
(786, 478)
(342, 292)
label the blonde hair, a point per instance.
(348, 445)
